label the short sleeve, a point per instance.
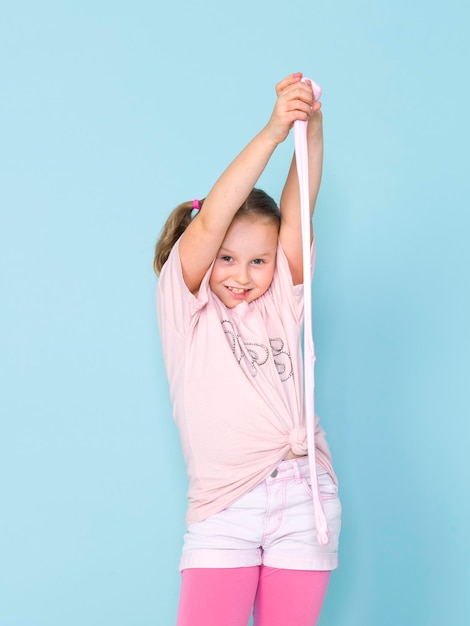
(283, 288)
(176, 305)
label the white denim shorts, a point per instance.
(273, 525)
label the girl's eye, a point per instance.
(226, 258)
(258, 261)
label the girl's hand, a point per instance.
(295, 101)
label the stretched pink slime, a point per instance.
(301, 156)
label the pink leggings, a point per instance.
(225, 597)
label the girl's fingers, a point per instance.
(298, 98)
(300, 91)
(287, 81)
(295, 80)
(299, 105)
(295, 101)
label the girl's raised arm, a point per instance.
(203, 237)
(291, 230)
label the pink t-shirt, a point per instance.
(235, 380)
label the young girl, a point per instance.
(230, 311)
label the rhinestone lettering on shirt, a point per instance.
(234, 340)
(258, 353)
(282, 359)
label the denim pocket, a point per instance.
(326, 485)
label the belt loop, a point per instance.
(297, 475)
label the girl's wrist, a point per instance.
(315, 126)
(270, 138)
(315, 120)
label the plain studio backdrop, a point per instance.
(111, 113)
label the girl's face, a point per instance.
(244, 266)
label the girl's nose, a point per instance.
(242, 275)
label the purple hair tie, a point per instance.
(196, 205)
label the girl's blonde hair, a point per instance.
(258, 204)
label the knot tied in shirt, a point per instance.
(298, 440)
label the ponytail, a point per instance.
(177, 222)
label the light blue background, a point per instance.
(111, 113)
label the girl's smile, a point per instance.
(244, 266)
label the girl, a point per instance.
(230, 313)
